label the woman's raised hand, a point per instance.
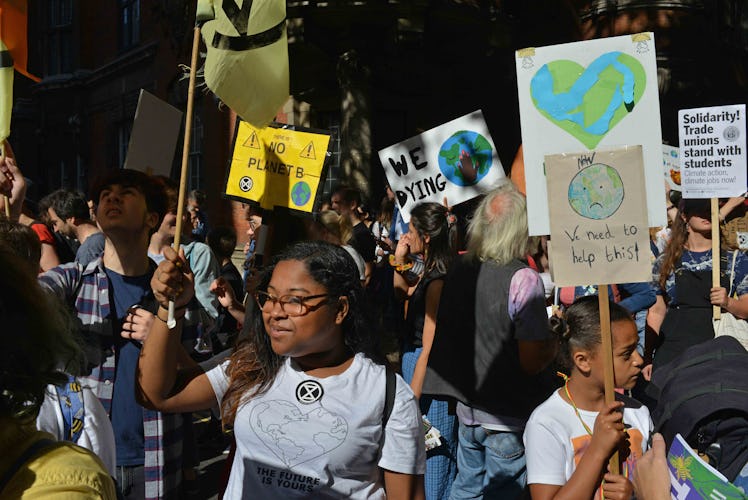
(223, 292)
(402, 250)
(173, 280)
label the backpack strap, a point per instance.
(732, 275)
(70, 399)
(389, 395)
(27, 455)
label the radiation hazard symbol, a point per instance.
(308, 151)
(252, 141)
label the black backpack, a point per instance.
(703, 396)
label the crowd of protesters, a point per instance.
(370, 358)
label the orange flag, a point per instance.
(13, 31)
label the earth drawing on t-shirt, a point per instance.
(296, 437)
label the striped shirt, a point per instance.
(88, 289)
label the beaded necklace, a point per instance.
(573, 404)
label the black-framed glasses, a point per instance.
(293, 305)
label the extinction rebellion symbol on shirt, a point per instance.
(309, 391)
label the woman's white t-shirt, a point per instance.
(555, 439)
(309, 437)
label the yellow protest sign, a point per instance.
(277, 167)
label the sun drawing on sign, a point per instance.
(596, 192)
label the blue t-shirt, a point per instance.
(126, 413)
(91, 249)
(701, 261)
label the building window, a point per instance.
(59, 37)
(129, 25)
(81, 179)
(333, 173)
(196, 155)
(64, 177)
(123, 141)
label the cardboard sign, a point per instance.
(155, 132)
(584, 96)
(598, 217)
(456, 160)
(712, 145)
(671, 166)
(277, 167)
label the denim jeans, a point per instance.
(131, 482)
(490, 464)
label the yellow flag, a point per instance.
(247, 61)
(6, 91)
(13, 21)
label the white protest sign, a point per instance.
(671, 166)
(155, 132)
(456, 160)
(712, 146)
(598, 218)
(587, 95)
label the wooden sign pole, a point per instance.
(6, 200)
(171, 323)
(607, 354)
(715, 252)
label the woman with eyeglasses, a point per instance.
(306, 399)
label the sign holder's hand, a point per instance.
(12, 183)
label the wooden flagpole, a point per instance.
(171, 322)
(716, 313)
(607, 353)
(6, 200)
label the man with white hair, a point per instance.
(492, 361)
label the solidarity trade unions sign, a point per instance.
(713, 151)
(456, 160)
(277, 166)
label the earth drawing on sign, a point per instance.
(296, 437)
(465, 158)
(588, 102)
(300, 193)
(596, 192)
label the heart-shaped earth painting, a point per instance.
(296, 437)
(588, 103)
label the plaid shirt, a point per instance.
(88, 287)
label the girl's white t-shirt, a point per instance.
(309, 437)
(555, 439)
